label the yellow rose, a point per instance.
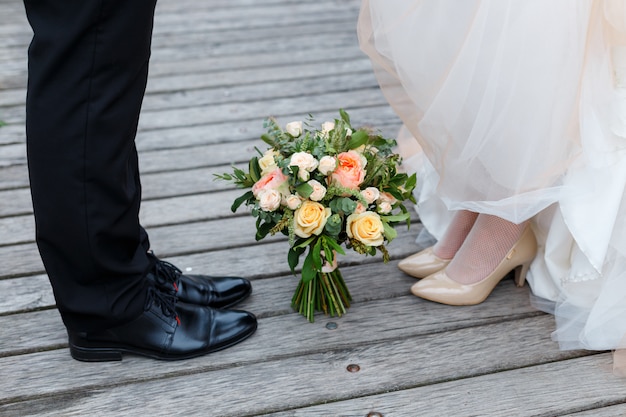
(365, 227)
(310, 218)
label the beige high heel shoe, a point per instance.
(423, 263)
(440, 288)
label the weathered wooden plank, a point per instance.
(182, 160)
(14, 176)
(272, 297)
(332, 101)
(20, 259)
(318, 376)
(379, 117)
(236, 251)
(221, 35)
(552, 389)
(24, 294)
(618, 410)
(255, 84)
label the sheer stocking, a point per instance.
(455, 234)
(485, 247)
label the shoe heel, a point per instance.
(520, 274)
(95, 355)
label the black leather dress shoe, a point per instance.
(217, 292)
(166, 330)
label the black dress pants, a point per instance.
(87, 72)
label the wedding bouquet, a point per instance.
(325, 188)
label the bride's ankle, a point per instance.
(488, 243)
(455, 234)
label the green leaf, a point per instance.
(359, 138)
(316, 252)
(411, 182)
(334, 245)
(344, 116)
(342, 205)
(255, 170)
(395, 218)
(240, 200)
(268, 139)
(305, 190)
(293, 257)
(304, 243)
(389, 232)
(308, 270)
(263, 230)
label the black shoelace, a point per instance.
(166, 301)
(166, 274)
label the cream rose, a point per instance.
(293, 201)
(269, 200)
(267, 162)
(327, 165)
(319, 191)
(310, 218)
(370, 194)
(365, 227)
(294, 128)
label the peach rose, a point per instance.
(273, 180)
(310, 218)
(350, 171)
(365, 227)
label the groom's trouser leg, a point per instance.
(87, 72)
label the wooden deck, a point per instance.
(218, 69)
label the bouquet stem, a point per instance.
(326, 292)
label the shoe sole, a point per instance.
(115, 353)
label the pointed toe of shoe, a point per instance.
(422, 264)
(439, 288)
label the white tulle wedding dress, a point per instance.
(517, 108)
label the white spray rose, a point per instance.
(384, 207)
(294, 128)
(269, 200)
(327, 165)
(303, 160)
(370, 194)
(327, 127)
(319, 191)
(293, 201)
